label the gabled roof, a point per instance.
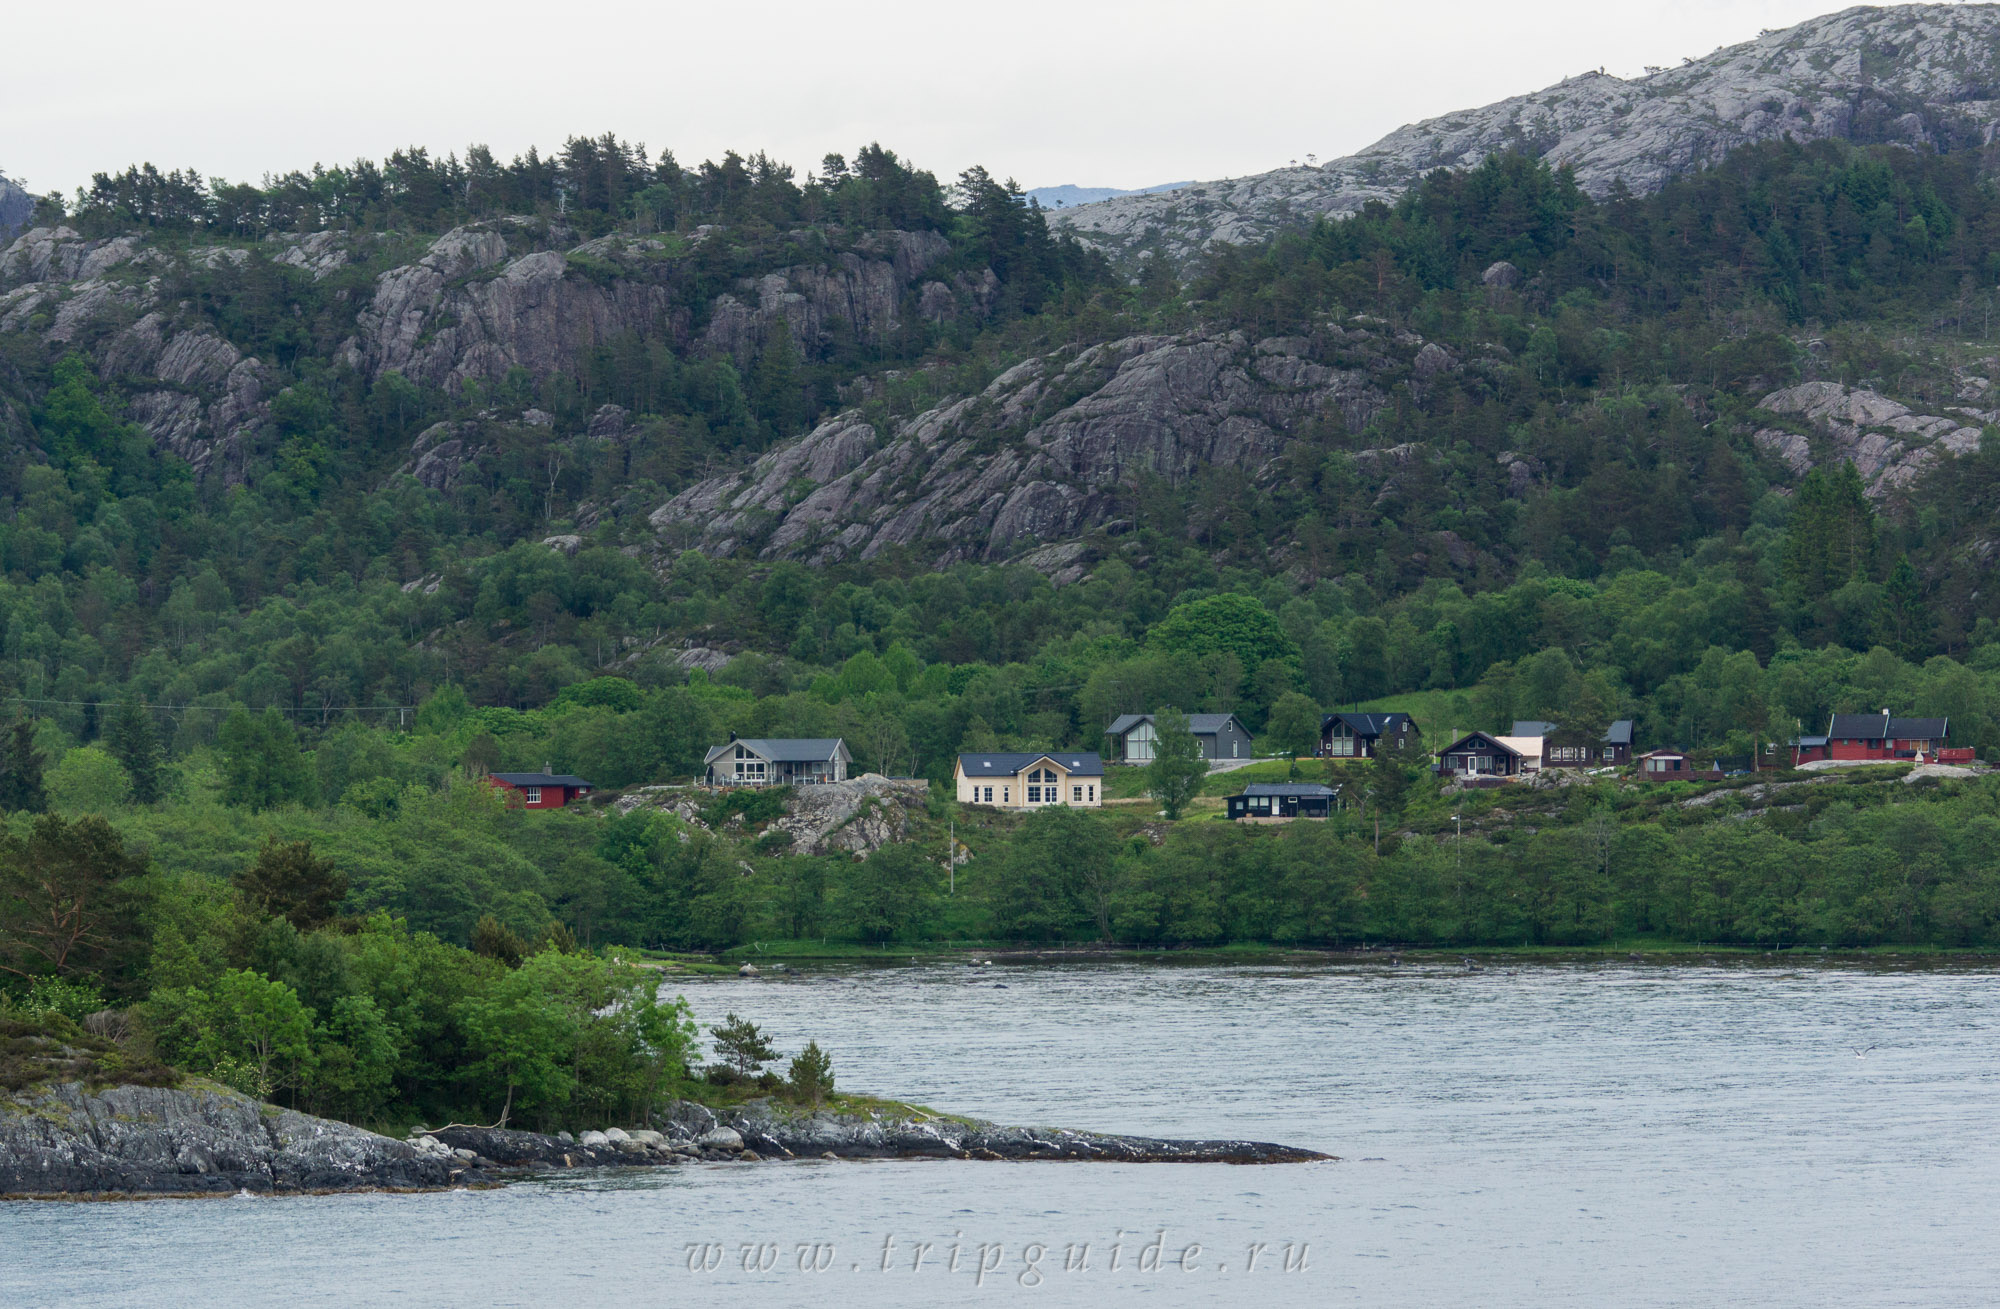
(538, 779)
(1619, 733)
(1473, 740)
(1077, 763)
(1367, 724)
(1297, 790)
(1877, 727)
(1199, 724)
(1531, 727)
(785, 750)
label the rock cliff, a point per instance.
(471, 305)
(17, 207)
(1910, 74)
(1889, 444)
(1051, 448)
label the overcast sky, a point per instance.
(1045, 91)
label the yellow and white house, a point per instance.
(1032, 780)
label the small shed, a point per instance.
(1282, 800)
(1672, 764)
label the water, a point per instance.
(1523, 1135)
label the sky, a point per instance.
(1043, 91)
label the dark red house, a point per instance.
(541, 790)
(1864, 737)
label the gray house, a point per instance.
(778, 762)
(1133, 738)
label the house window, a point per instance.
(1035, 792)
(989, 795)
(1006, 795)
(1093, 793)
(1076, 795)
(1343, 747)
(532, 794)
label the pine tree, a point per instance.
(132, 740)
(1831, 538)
(1903, 622)
(21, 785)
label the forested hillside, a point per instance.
(327, 496)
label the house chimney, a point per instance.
(545, 766)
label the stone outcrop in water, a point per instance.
(67, 1139)
(764, 1130)
(1917, 75)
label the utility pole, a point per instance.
(951, 856)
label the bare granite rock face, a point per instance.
(478, 302)
(1045, 451)
(1919, 75)
(66, 1140)
(1889, 444)
(858, 816)
(17, 207)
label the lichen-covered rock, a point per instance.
(1918, 75)
(63, 1139)
(1889, 444)
(1045, 452)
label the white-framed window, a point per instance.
(532, 794)
(1034, 792)
(1342, 747)
(1006, 795)
(1076, 794)
(1093, 793)
(989, 795)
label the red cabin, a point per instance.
(1866, 737)
(541, 790)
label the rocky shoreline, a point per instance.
(67, 1140)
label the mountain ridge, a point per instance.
(1910, 75)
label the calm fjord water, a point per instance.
(1524, 1135)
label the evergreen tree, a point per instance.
(132, 740)
(289, 881)
(1831, 538)
(1903, 622)
(742, 1045)
(262, 765)
(21, 789)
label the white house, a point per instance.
(778, 762)
(1014, 780)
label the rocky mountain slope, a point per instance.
(1052, 448)
(1911, 74)
(470, 305)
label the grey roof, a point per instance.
(1876, 727)
(784, 750)
(538, 779)
(1293, 789)
(1368, 724)
(1619, 733)
(1810, 741)
(1531, 727)
(1004, 763)
(1199, 724)
(1490, 739)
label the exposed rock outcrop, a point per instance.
(858, 816)
(65, 1139)
(765, 1130)
(17, 208)
(1889, 444)
(1905, 74)
(1045, 451)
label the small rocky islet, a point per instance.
(71, 1140)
